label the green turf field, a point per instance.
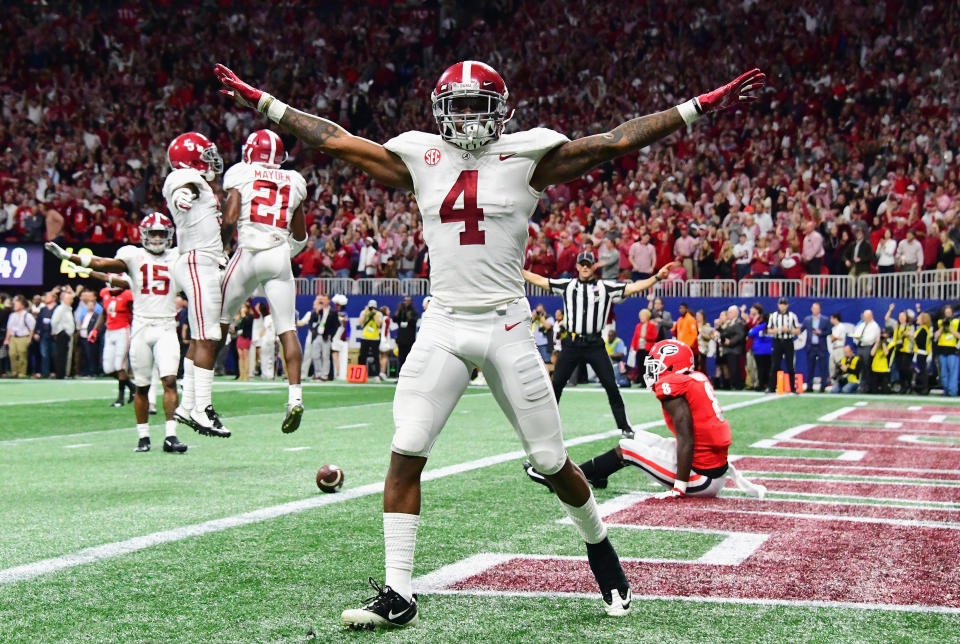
(237, 544)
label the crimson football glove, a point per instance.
(733, 93)
(241, 92)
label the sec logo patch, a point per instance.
(432, 156)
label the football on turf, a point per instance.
(329, 478)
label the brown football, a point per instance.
(329, 478)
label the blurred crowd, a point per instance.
(848, 165)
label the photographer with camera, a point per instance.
(946, 337)
(543, 332)
(370, 322)
(847, 374)
(406, 319)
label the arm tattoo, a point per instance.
(312, 130)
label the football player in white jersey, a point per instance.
(153, 340)
(194, 162)
(476, 188)
(266, 202)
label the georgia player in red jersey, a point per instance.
(693, 462)
(476, 188)
(117, 316)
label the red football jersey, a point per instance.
(118, 308)
(711, 431)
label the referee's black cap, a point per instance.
(783, 300)
(586, 257)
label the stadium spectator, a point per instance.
(924, 349)
(910, 253)
(20, 327)
(946, 338)
(387, 341)
(685, 328)
(762, 347)
(407, 317)
(733, 341)
(617, 351)
(818, 357)
(751, 319)
(706, 345)
(62, 329)
(44, 336)
(644, 337)
(847, 377)
(6, 305)
(660, 316)
(866, 335)
(886, 252)
(370, 324)
(837, 340)
(86, 315)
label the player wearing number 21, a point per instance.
(476, 188)
(266, 203)
(153, 338)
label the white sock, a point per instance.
(143, 430)
(203, 385)
(587, 520)
(294, 395)
(400, 540)
(171, 428)
(188, 400)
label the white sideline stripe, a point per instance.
(830, 478)
(899, 505)
(919, 503)
(830, 461)
(295, 449)
(353, 426)
(892, 425)
(78, 445)
(888, 480)
(914, 408)
(800, 603)
(860, 404)
(906, 523)
(845, 454)
(115, 549)
(14, 441)
(791, 433)
(938, 418)
(870, 445)
(929, 440)
(834, 415)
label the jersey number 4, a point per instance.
(161, 280)
(470, 214)
(269, 204)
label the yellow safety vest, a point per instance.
(948, 339)
(852, 365)
(901, 340)
(881, 361)
(924, 340)
(371, 330)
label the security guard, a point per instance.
(946, 336)
(586, 307)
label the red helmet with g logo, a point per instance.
(264, 146)
(470, 104)
(667, 356)
(194, 150)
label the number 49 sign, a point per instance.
(21, 265)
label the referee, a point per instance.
(586, 306)
(783, 326)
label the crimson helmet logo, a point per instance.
(431, 157)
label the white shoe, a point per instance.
(618, 605)
(744, 484)
(207, 423)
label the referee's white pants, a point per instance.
(436, 373)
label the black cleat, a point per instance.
(207, 423)
(130, 398)
(599, 484)
(292, 420)
(117, 403)
(387, 609)
(183, 417)
(143, 445)
(153, 410)
(627, 432)
(172, 445)
(617, 605)
(536, 476)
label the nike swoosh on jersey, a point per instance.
(507, 327)
(504, 157)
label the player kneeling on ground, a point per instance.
(153, 340)
(694, 462)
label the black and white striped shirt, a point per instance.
(586, 305)
(780, 320)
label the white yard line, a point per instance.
(118, 548)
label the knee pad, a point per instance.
(546, 459)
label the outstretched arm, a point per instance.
(537, 280)
(642, 285)
(574, 158)
(105, 264)
(319, 133)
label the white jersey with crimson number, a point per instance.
(198, 228)
(269, 197)
(475, 207)
(151, 282)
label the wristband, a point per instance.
(680, 486)
(85, 260)
(690, 111)
(270, 106)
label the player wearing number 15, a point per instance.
(153, 337)
(476, 188)
(266, 202)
